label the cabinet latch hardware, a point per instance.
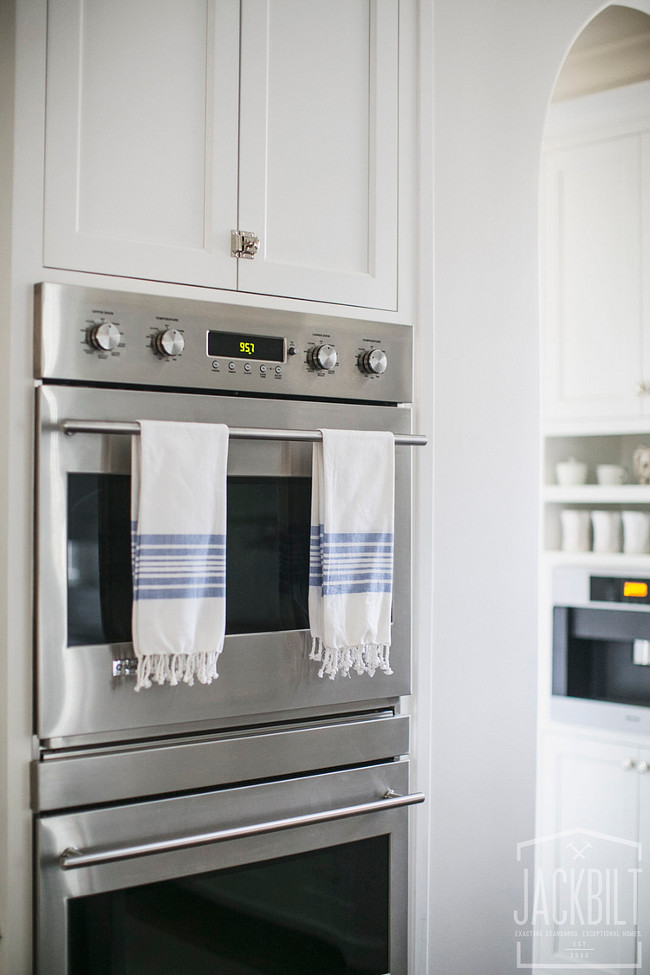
(244, 244)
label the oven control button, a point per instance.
(169, 342)
(105, 337)
(323, 357)
(374, 362)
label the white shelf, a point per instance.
(597, 494)
(637, 426)
(606, 560)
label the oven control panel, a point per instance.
(112, 337)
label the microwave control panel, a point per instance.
(99, 336)
(613, 589)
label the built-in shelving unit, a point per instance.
(592, 449)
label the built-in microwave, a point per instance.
(601, 647)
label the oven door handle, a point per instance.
(72, 858)
(236, 433)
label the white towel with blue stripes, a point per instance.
(178, 526)
(351, 551)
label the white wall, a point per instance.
(495, 62)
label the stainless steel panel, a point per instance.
(260, 674)
(174, 818)
(65, 313)
(94, 776)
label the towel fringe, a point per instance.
(164, 668)
(366, 658)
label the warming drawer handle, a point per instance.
(236, 433)
(73, 858)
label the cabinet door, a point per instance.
(589, 822)
(141, 140)
(593, 279)
(318, 149)
(644, 838)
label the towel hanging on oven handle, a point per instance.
(237, 433)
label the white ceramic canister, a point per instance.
(571, 472)
(606, 531)
(576, 535)
(610, 474)
(636, 532)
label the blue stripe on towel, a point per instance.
(350, 562)
(191, 566)
(215, 592)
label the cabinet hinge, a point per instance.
(244, 244)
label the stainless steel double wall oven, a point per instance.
(259, 824)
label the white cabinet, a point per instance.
(593, 816)
(595, 251)
(170, 125)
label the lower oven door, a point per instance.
(306, 876)
(84, 570)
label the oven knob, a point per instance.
(105, 337)
(170, 342)
(323, 357)
(374, 362)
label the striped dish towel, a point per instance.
(351, 551)
(178, 526)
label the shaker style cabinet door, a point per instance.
(593, 279)
(589, 822)
(169, 125)
(141, 138)
(318, 149)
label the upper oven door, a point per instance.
(83, 591)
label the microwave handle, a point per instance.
(73, 858)
(236, 433)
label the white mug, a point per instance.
(575, 530)
(611, 474)
(636, 532)
(571, 472)
(607, 531)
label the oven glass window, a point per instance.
(325, 912)
(267, 569)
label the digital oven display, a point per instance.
(240, 345)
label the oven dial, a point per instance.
(323, 357)
(374, 362)
(170, 342)
(105, 337)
